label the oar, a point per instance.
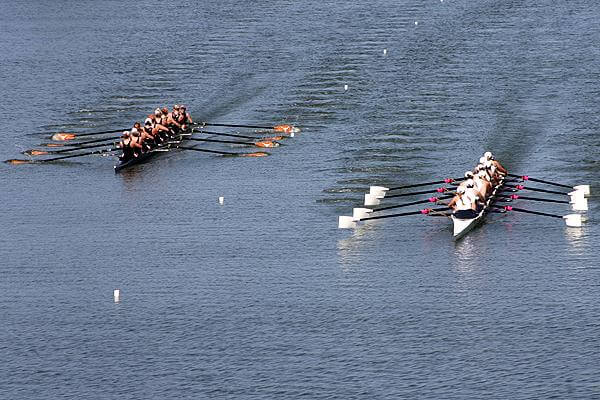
(277, 128)
(74, 144)
(347, 222)
(585, 188)
(373, 200)
(359, 213)
(239, 136)
(380, 191)
(573, 220)
(70, 135)
(578, 204)
(226, 153)
(17, 162)
(262, 144)
(521, 187)
(34, 152)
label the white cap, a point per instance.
(469, 183)
(468, 174)
(482, 160)
(148, 121)
(460, 190)
(488, 155)
(482, 174)
(488, 164)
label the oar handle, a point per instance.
(440, 190)
(447, 180)
(510, 208)
(224, 134)
(521, 187)
(236, 125)
(429, 200)
(229, 153)
(528, 178)
(77, 155)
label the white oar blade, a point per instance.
(585, 188)
(378, 191)
(359, 213)
(580, 205)
(345, 222)
(371, 200)
(573, 220)
(577, 195)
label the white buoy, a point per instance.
(345, 87)
(384, 52)
(416, 22)
(116, 295)
(221, 200)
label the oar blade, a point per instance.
(584, 188)
(359, 213)
(371, 200)
(266, 144)
(573, 220)
(15, 161)
(60, 136)
(346, 222)
(378, 191)
(580, 205)
(256, 154)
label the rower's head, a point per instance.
(157, 112)
(482, 160)
(460, 190)
(469, 183)
(165, 111)
(488, 164)
(125, 134)
(137, 125)
(148, 122)
(135, 134)
(182, 108)
(176, 107)
(468, 174)
(488, 155)
(482, 174)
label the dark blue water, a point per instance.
(263, 297)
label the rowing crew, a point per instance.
(158, 128)
(477, 187)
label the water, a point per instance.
(263, 297)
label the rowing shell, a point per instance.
(144, 157)
(464, 226)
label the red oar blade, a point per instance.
(257, 154)
(266, 144)
(63, 136)
(15, 161)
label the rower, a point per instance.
(125, 145)
(492, 173)
(488, 156)
(185, 119)
(464, 206)
(159, 131)
(148, 139)
(482, 185)
(136, 143)
(173, 121)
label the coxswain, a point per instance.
(463, 204)
(488, 156)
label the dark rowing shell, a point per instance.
(145, 157)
